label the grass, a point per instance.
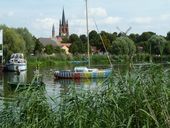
(137, 98)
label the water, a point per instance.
(53, 87)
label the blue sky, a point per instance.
(39, 15)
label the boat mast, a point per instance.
(1, 43)
(88, 44)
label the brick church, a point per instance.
(55, 40)
(63, 27)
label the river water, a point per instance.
(53, 87)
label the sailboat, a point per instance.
(83, 72)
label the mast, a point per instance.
(1, 43)
(88, 44)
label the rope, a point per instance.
(107, 53)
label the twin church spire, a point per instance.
(63, 27)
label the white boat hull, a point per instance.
(13, 66)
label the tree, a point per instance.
(13, 42)
(65, 40)
(49, 49)
(106, 38)
(73, 48)
(134, 37)
(78, 47)
(73, 38)
(38, 46)
(83, 38)
(167, 48)
(123, 46)
(94, 39)
(168, 36)
(145, 36)
(27, 36)
(156, 44)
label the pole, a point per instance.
(1, 43)
(88, 44)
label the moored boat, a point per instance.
(16, 62)
(82, 72)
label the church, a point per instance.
(55, 40)
(63, 27)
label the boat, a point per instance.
(17, 63)
(82, 71)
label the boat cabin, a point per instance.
(84, 69)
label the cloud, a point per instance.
(78, 22)
(142, 20)
(44, 23)
(111, 20)
(10, 13)
(165, 17)
(97, 12)
(7, 14)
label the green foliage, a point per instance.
(83, 38)
(167, 48)
(123, 46)
(44, 61)
(73, 38)
(65, 39)
(17, 40)
(94, 39)
(27, 36)
(38, 49)
(168, 36)
(145, 36)
(78, 47)
(49, 49)
(107, 39)
(134, 37)
(156, 44)
(13, 42)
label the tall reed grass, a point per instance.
(137, 98)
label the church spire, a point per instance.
(53, 31)
(63, 17)
(63, 26)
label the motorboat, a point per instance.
(17, 63)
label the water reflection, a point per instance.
(13, 77)
(80, 84)
(53, 87)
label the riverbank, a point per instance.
(61, 60)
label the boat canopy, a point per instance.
(85, 69)
(81, 69)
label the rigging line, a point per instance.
(107, 53)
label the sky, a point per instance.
(38, 16)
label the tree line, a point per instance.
(119, 44)
(21, 40)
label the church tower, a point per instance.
(53, 31)
(63, 26)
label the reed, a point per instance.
(138, 97)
